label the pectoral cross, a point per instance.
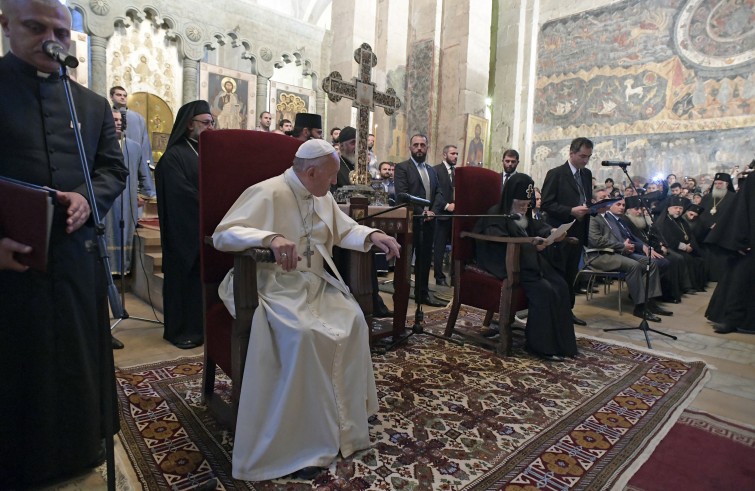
(308, 253)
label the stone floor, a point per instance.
(729, 393)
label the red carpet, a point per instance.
(700, 452)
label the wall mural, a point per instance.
(667, 84)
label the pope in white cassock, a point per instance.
(308, 386)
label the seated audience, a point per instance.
(608, 249)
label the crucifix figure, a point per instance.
(365, 98)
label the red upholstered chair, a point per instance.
(229, 162)
(476, 190)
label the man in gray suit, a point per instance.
(607, 250)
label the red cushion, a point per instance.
(476, 190)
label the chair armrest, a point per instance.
(507, 240)
(258, 254)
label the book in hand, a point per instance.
(26, 217)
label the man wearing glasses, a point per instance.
(177, 179)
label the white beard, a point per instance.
(638, 221)
(521, 222)
(718, 193)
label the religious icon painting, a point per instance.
(231, 94)
(288, 100)
(474, 140)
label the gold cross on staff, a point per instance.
(365, 98)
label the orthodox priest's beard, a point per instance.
(522, 223)
(638, 221)
(718, 193)
(674, 214)
(351, 157)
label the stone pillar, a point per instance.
(261, 102)
(391, 141)
(464, 73)
(422, 70)
(321, 101)
(352, 23)
(190, 77)
(98, 62)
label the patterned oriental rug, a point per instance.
(451, 417)
(721, 453)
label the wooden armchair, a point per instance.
(229, 162)
(476, 190)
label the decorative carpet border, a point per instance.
(595, 417)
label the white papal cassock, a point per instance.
(308, 384)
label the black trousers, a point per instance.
(442, 238)
(423, 252)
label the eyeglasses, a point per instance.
(210, 122)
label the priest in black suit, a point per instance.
(567, 191)
(445, 171)
(418, 179)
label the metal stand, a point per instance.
(644, 327)
(112, 291)
(122, 253)
(419, 316)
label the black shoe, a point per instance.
(186, 344)
(671, 300)
(432, 301)
(116, 343)
(382, 313)
(489, 332)
(441, 282)
(308, 473)
(578, 321)
(581, 291)
(638, 312)
(658, 310)
(724, 329)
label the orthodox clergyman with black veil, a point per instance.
(550, 331)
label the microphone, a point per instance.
(414, 199)
(58, 53)
(123, 112)
(615, 163)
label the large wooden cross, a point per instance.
(365, 97)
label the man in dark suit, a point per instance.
(611, 247)
(567, 190)
(510, 161)
(445, 171)
(418, 179)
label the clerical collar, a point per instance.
(29, 69)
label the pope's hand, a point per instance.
(387, 244)
(285, 253)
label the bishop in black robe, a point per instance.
(680, 239)
(550, 330)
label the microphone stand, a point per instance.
(121, 226)
(108, 389)
(644, 326)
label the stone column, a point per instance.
(464, 73)
(262, 84)
(190, 77)
(352, 23)
(98, 62)
(422, 70)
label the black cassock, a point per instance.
(716, 257)
(676, 231)
(55, 348)
(550, 330)
(732, 301)
(177, 182)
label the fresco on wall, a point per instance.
(668, 83)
